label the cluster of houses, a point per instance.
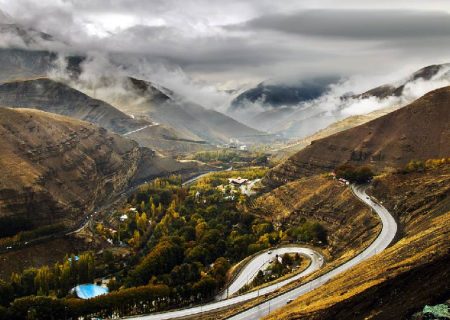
(234, 144)
(245, 186)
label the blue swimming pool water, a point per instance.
(86, 291)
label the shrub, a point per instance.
(354, 174)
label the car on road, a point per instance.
(9, 247)
(269, 252)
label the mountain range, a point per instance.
(390, 141)
(306, 117)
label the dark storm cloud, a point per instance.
(250, 40)
(357, 24)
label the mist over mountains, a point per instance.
(286, 109)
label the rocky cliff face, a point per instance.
(55, 168)
(420, 130)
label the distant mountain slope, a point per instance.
(56, 97)
(55, 168)
(276, 95)
(397, 89)
(24, 51)
(191, 119)
(19, 64)
(338, 126)
(28, 36)
(420, 130)
(309, 116)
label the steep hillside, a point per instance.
(192, 120)
(56, 97)
(389, 141)
(406, 276)
(348, 222)
(18, 64)
(285, 151)
(55, 168)
(52, 96)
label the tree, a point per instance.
(33, 307)
(142, 206)
(205, 287)
(259, 279)
(220, 269)
(153, 210)
(135, 241)
(43, 280)
(142, 221)
(161, 259)
(287, 259)
(85, 265)
(354, 174)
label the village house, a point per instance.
(237, 181)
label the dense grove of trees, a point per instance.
(56, 280)
(143, 299)
(184, 240)
(196, 233)
(221, 155)
(351, 173)
(308, 231)
(232, 156)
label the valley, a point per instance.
(181, 162)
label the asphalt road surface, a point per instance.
(262, 261)
(383, 240)
(316, 263)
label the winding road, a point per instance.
(140, 129)
(261, 261)
(384, 239)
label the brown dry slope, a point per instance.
(350, 225)
(406, 276)
(55, 168)
(345, 124)
(420, 130)
(52, 96)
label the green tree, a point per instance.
(161, 259)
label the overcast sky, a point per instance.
(232, 42)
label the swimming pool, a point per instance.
(87, 291)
